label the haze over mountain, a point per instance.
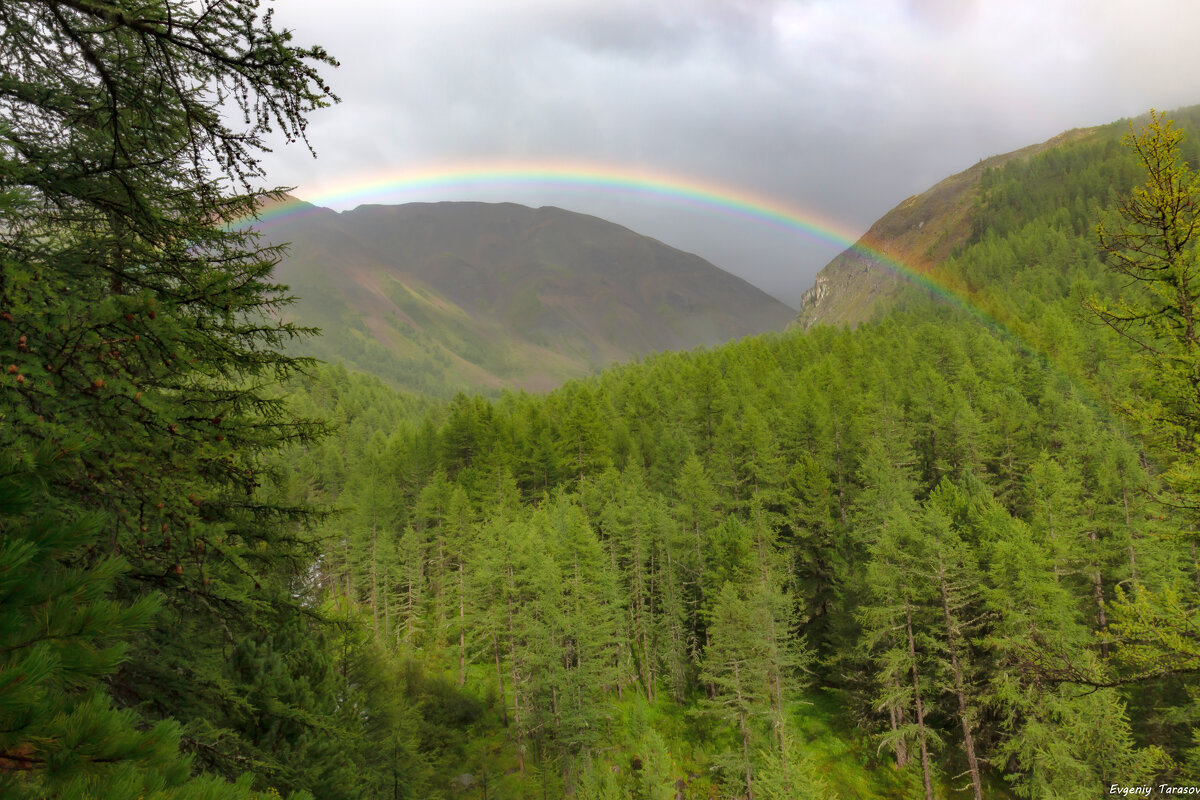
(442, 296)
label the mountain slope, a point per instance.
(442, 296)
(919, 233)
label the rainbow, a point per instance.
(582, 178)
(705, 196)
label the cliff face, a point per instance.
(919, 233)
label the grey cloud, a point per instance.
(944, 16)
(662, 32)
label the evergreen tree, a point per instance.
(138, 320)
(891, 611)
(653, 777)
(60, 636)
(735, 664)
(818, 552)
(695, 509)
(786, 773)
(588, 617)
(1155, 246)
(1051, 731)
(952, 567)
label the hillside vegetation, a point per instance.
(925, 230)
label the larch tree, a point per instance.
(1050, 733)
(890, 612)
(735, 665)
(952, 568)
(695, 509)
(1154, 242)
(137, 321)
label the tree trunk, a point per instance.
(374, 585)
(512, 643)
(952, 646)
(623, 652)
(652, 648)
(837, 463)
(916, 680)
(933, 468)
(1195, 557)
(410, 611)
(636, 609)
(678, 673)
(462, 628)
(745, 731)
(500, 680)
(1129, 528)
(1098, 593)
(639, 646)
(896, 719)
(554, 708)
(698, 538)
(374, 563)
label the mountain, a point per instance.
(919, 233)
(445, 296)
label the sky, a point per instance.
(833, 110)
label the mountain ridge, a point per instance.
(461, 295)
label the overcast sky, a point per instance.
(838, 108)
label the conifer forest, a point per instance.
(949, 553)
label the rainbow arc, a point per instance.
(710, 197)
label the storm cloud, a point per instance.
(841, 108)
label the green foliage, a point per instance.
(700, 588)
(1154, 246)
(620, 589)
(61, 637)
(1151, 243)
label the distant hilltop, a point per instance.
(445, 296)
